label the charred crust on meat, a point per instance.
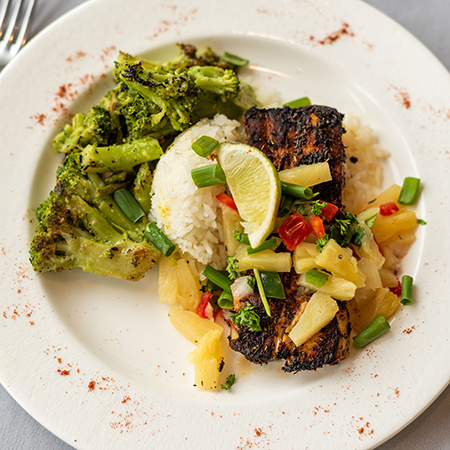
(307, 135)
(290, 137)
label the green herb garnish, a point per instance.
(347, 230)
(251, 281)
(232, 268)
(229, 382)
(247, 317)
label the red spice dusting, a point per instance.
(91, 385)
(78, 55)
(31, 322)
(402, 96)
(258, 432)
(332, 37)
(408, 330)
(63, 372)
(361, 430)
(125, 399)
(106, 52)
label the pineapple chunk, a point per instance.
(389, 195)
(340, 261)
(231, 222)
(370, 305)
(388, 278)
(385, 227)
(319, 312)
(207, 359)
(190, 325)
(370, 271)
(336, 287)
(369, 248)
(188, 286)
(168, 283)
(178, 283)
(307, 174)
(266, 260)
(304, 257)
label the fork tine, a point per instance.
(9, 32)
(18, 14)
(24, 24)
(3, 8)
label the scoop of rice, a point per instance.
(364, 164)
(188, 215)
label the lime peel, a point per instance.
(255, 186)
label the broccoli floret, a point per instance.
(119, 157)
(164, 99)
(155, 101)
(81, 226)
(98, 127)
(216, 80)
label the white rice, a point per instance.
(364, 164)
(188, 215)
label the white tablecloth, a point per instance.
(428, 20)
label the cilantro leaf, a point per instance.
(247, 317)
(321, 242)
(229, 382)
(251, 281)
(317, 206)
(347, 230)
(241, 237)
(232, 268)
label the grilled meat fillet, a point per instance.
(290, 137)
(308, 135)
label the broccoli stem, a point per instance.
(119, 157)
(143, 186)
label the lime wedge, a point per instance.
(255, 186)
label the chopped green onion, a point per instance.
(421, 222)
(159, 239)
(406, 297)
(304, 101)
(218, 278)
(225, 301)
(234, 59)
(273, 287)
(262, 292)
(316, 277)
(209, 175)
(371, 220)
(286, 206)
(204, 145)
(297, 191)
(374, 330)
(128, 204)
(264, 246)
(410, 191)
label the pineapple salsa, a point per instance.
(275, 224)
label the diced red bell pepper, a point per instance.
(227, 200)
(317, 225)
(329, 211)
(397, 290)
(294, 230)
(387, 209)
(204, 302)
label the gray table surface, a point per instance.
(427, 20)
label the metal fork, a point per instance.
(15, 18)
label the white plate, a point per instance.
(95, 360)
